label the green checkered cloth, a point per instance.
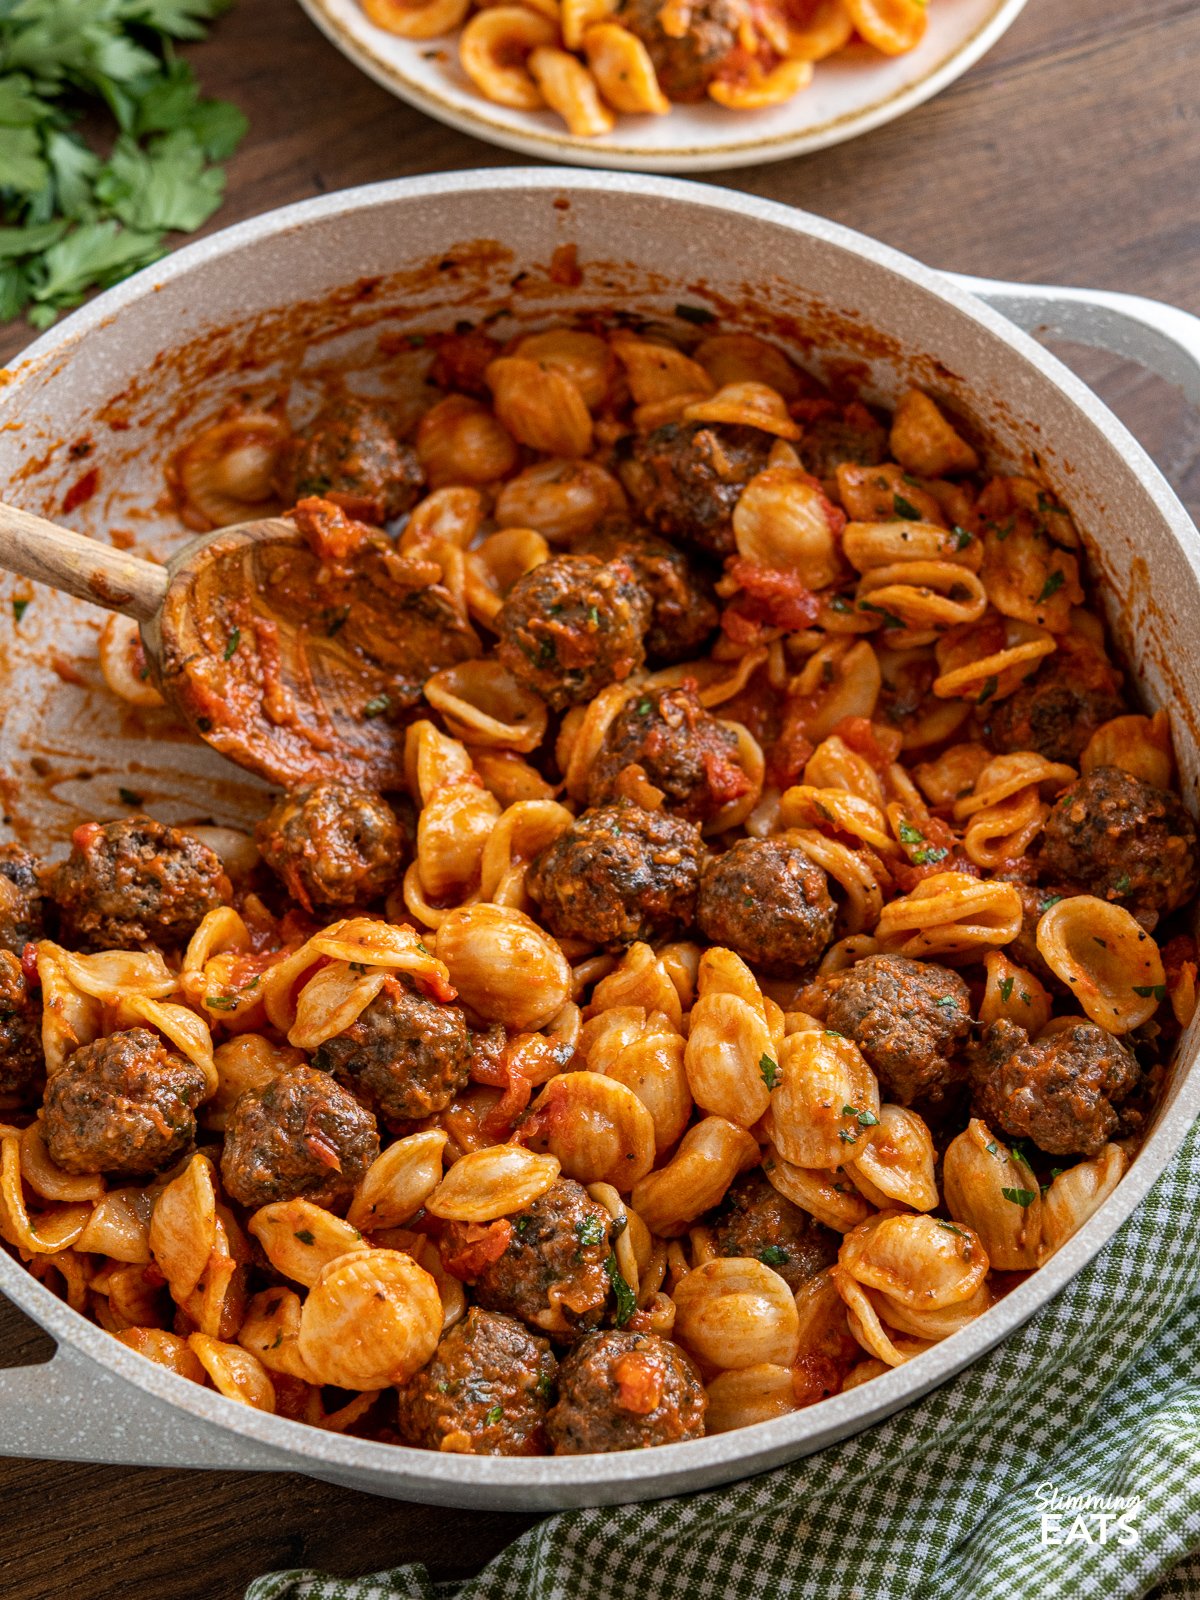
(1098, 1394)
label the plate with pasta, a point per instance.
(689, 85)
(772, 957)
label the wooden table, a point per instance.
(1070, 155)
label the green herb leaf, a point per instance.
(1052, 585)
(950, 1228)
(493, 1415)
(961, 537)
(890, 619)
(905, 508)
(305, 1235)
(1149, 991)
(768, 1070)
(1006, 988)
(1123, 884)
(946, 1002)
(221, 1002)
(1020, 1197)
(839, 603)
(910, 835)
(626, 1299)
(1050, 900)
(231, 644)
(20, 607)
(928, 854)
(378, 706)
(865, 1119)
(773, 1255)
(590, 1230)
(989, 688)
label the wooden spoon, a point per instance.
(294, 656)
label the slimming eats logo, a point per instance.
(1086, 1519)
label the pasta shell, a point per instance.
(504, 966)
(597, 1128)
(747, 1395)
(736, 1312)
(491, 1183)
(709, 1157)
(897, 1166)
(235, 1372)
(372, 1319)
(399, 1181)
(299, 1238)
(729, 1060)
(825, 1107)
(917, 1261)
(1111, 964)
(1077, 1194)
(828, 1196)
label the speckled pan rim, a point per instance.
(428, 1476)
(613, 153)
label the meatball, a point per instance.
(486, 1392)
(625, 1391)
(1122, 839)
(908, 1018)
(298, 1135)
(572, 626)
(683, 751)
(349, 454)
(333, 844)
(765, 900)
(685, 66)
(406, 1054)
(830, 441)
(132, 883)
(1059, 708)
(22, 1065)
(125, 1104)
(687, 477)
(755, 1220)
(683, 610)
(618, 874)
(21, 918)
(1061, 1092)
(552, 1268)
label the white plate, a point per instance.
(851, 93)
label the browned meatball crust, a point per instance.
(125, 1104)
(552, 1272)
(683, 608)
(1122, 839)
(909, 1019)
(685, 752)
(686, 66)
(618, 874)
(1059, 708)
(349, 454)
(486, 1391)
(333, 844)
(688, 476)
(299, 1136)
(625, 1391)
(572, 626)
(829, 442)
(1061, 1092)
(755, 1220)
(406, 1054)
(21, 900)
(22, 1065)
(135, 882)
(765, 900)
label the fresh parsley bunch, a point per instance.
(76, 219)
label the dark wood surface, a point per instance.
(1071, 154)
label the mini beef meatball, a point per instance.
(125, 1104)
(21, 918)
(683, 751)
(625, 1391)
(333, 844)
(485, 1393)
(683, 610)
(22, 1065)
(405, 1054)
(572, 626)
(349, 454)
(133, 883)
(756, 1220)
(765, 900)
(1060, 1093)
(688, 476)
(909, 1018)
(298, 1136)
(1059, 708)
(618, 874)
(833, 439)
(687, 64)
(546, 1264)
(1122, 839)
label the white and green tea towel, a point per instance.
(1098, 1395)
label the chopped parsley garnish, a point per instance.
(626, 1299)
(1148, 991)
(1017, 1151)
(544, 1387)
(890, 619)
(1006, 988)
(221, 1002)
(1056, 1172)
(378, 706)
(231, 644)
(493, 1415)
(20, 607)
(277, 1341)
(865, 1119)
(305, 1235)
(947, 1002)
(1020, 1197)
(773, 1255)
(594, 615)
(961, 537)
(989, 688)
(1123, 884)
(928, 854)
(589, 1230)
(520, 1225)
(697, 314)
(993, 1149)
(950, 1228)
(644, 708)
(768, 1069)
(847, 1136)
(130, 797)
(830, 1033)
(1050, 900)
(905, 508)
(839, 603)
(1052, 585)
(910, 835)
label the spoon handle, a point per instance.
(80, 566)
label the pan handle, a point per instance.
(1150, 332)
(70, 1409)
